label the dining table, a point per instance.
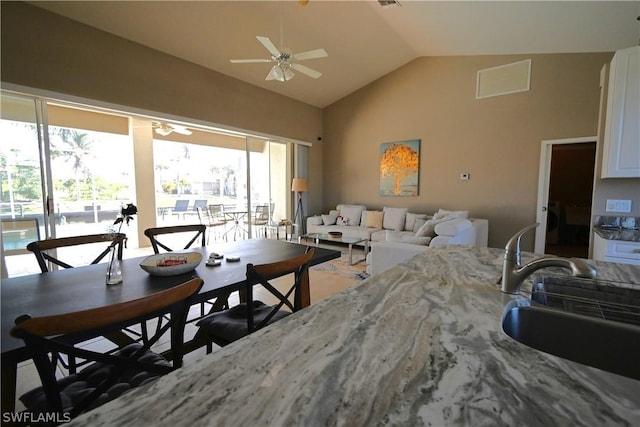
(82, 288)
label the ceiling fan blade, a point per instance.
(248, 61)
(310, 54)
(180, 129)
(270, 46)
(306, 70)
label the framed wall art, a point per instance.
(400, 168)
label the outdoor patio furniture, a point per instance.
(181, 207)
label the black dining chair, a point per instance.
(47, 250)
(178, 234)
(174, 234)
(227, 326)
(109, 374)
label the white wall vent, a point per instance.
(504, 79)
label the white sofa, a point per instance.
(384, 255)
(395, 234)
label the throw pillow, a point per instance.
(451, 214)
(315, 220)
(329, 219)
(340, 220)
(351, 214)
(427, 229)
(418, 223)
(394, 218)
(410, 220)
(452, 227)
(374, 219)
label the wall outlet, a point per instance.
(618, 205)
(464, 176)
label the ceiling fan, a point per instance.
(165, 129)
(285, 61)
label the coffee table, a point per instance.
(317, 237)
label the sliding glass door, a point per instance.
(68, 170)
(21, 184)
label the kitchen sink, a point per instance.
(588, 297)
(608, 345)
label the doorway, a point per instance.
(565, 196)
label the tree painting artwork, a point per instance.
(399, 168)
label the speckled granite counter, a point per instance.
(420, 344)
(623, 234)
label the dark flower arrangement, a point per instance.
(126, 215)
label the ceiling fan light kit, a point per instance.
(281, 73)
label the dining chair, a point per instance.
(227, 326)
(184, 232)
(47, 250)
(193, 232)
(109, 374)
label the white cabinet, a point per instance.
(619, 251)
(621, 148)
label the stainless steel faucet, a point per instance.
(513, 273)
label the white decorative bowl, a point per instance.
(171, 263)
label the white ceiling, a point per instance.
(363, 39)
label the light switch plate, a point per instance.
(619, 206)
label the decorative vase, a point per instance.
(114, 270)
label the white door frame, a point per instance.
(546, 151)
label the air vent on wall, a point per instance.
(504, 79)
(386, 3)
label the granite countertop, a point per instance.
(624, 234)
(420, 344)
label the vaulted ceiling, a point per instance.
(363, 39)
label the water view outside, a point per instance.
(92, 175)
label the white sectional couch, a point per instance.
(384, 255)
(396, 234)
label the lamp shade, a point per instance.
(299, 184)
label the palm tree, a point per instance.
(77, 146)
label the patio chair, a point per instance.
(212, 217)
(109, 374)
(181, 207)
(227, 326)
(260, 218)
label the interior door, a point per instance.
(564, 196)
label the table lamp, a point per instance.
(300, 185)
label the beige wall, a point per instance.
(496, 140)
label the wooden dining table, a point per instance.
(83, 288)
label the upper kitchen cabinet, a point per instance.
(621, 148)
